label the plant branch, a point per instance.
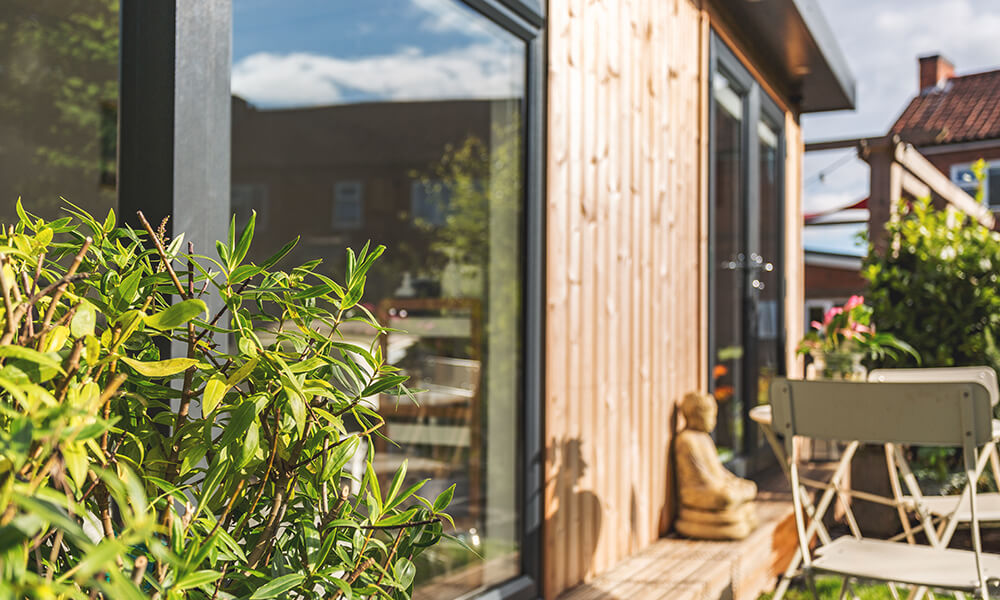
(163, 255)
(10, 328)
(61, 288)
(401, 525)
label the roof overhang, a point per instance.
(795, 36)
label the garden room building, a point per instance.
(590, 209)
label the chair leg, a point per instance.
(845, 586)
(811, 583)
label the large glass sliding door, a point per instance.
(404, 124)
(746, 271)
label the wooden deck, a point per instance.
(674, 568)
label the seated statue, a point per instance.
(714, 503)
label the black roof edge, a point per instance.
(826, 41)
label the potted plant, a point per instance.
(847, 337)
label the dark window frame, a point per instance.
(757, 106)
(174, 159)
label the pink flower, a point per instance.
(854, 301)
(816, 325)
(830, 314)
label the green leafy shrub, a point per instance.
(936, 287)
(219, 473)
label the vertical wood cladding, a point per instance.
(626, 293)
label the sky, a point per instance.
(881, 40)
(296, 53)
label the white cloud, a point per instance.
(450, 16)
(480, 70)
(882, 41)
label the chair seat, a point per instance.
(987, 507)
(904, 563)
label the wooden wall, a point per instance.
(626, 236)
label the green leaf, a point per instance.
(125, 292)
(244, 244)
(196, 579)
(243, 372)
(109, 222)
(239, 422)
(339, 456)
(23, 216)
(298, 407)
(215, 390)
(96, 560)
(77, 463)
(444, 499)
(384, 383)
(243, 272)
(374, 492)
(216, 472)
(343, 586)
(30, 355)
(84, 321)
(55, 339)
(278, 586)
(176, 314)
(223, 253)
(93, 349)
(406, 494)
(249, 445)
(160, 368)
(397, 482)
(405, 571)
(267, 264)
(399, 519)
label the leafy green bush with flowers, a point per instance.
(850, 329)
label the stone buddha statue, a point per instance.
(714, 503)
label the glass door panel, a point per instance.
(765, 293)
(746, 273)
(728, 243)
(402, 124)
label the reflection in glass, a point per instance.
(58, 105)
(767, 270)
(400, 123)
(729, 263)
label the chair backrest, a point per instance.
(984, 375)
(955, 413)
(927, 414)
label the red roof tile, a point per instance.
(965, 108)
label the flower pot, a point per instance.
(845, 366)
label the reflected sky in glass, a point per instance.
(287, 54)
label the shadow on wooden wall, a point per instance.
(585, 504)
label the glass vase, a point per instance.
(846, 366)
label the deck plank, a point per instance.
(675, 568)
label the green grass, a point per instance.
(829, 588)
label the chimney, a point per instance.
(934, 71)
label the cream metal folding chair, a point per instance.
(948, 511)
(831, 489)
(926, 414)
